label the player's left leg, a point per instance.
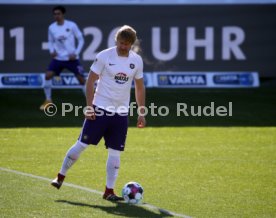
(77, 69)
(112, 169)
(115, 138)
(82, 80)
(70, 158)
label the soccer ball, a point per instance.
(133, 193)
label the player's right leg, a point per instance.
(47, 89)
(92, 132)
(70, 158)
(54, 69)
(82, 81)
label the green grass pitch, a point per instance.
(209, 167)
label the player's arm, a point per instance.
(51, 42)
(92, 78)
(80, 39)
(140, 95)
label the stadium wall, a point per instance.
(174, 38)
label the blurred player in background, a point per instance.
(64, 53)
(115, 68)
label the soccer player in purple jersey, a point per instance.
(65, 55)
(107, 115)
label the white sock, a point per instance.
(112, 167)
(48, 89)
(72, 156)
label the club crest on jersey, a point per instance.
(132, 66)
(121, 78)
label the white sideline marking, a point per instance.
(152, 207)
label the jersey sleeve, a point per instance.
(79, 37)
(98, 64)
(51, 41)
(139, 72)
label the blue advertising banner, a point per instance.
(155, 80)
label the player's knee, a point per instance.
(113, 152)
(113, 158)
(49, 75)
(81, 80)
(75, 151)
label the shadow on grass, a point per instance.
(120, 209)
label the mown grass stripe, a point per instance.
(149, 206)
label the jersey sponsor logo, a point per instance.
(61, 38)
(121, 78)
(234, 79)
(132, 66)
(110, 64)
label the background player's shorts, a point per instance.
(73, 66)
(112, 128)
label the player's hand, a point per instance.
(141, 122)
(72, 57)
(54, 54)
(90, 113)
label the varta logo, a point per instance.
(182, 79)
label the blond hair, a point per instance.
(126, 33)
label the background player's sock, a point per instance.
(72, 156)
(112, 167)
(48, 89)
